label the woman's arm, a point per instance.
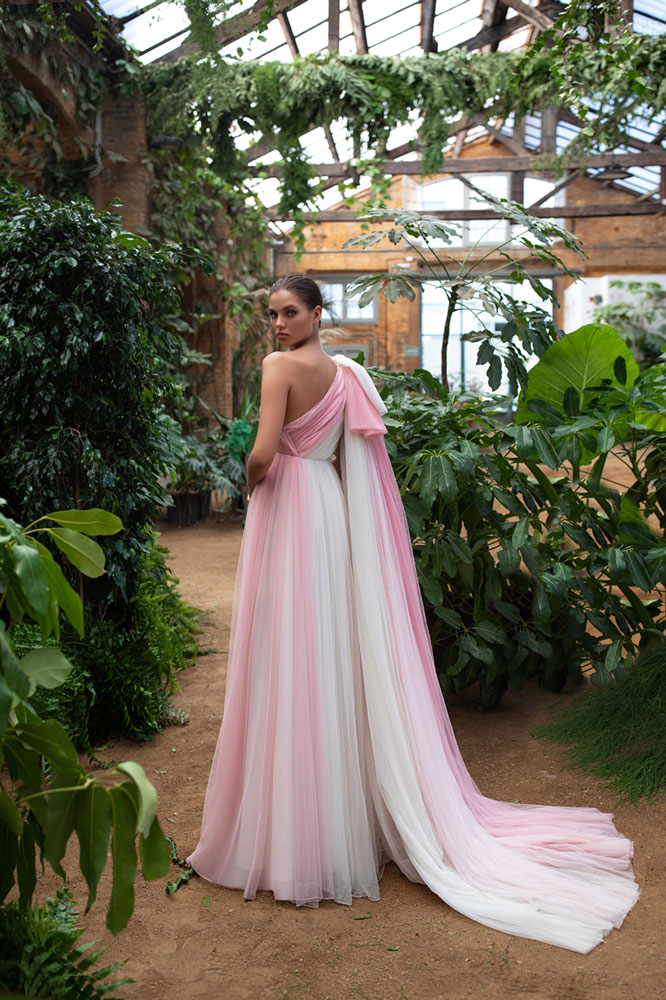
(273, 406)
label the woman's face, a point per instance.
(292, 320)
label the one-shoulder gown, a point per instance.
(335, 752)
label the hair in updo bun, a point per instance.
(304, 288)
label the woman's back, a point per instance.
(310, 375)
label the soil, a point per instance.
(204, 942)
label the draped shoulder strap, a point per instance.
(363, 403)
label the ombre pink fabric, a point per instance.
(336, 752)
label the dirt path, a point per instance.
(205, 943)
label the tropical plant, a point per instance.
(527, 330)
(529, 562)
(49, 795)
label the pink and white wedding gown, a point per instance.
(336, 752)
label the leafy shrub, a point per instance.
(40, 955)
(123, 678)
(525, 573)
(617, 731)
(84, 356)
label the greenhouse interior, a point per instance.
(332, 499)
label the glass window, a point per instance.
(339, 311)
(451, 194)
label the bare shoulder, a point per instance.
(275, 368)
(276, 361)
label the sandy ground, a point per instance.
(205, 943)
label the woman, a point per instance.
(336, 753)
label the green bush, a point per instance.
(123, 677)
(85, 351)
(525, 573)
(40, 955)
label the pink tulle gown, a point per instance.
(336, 752)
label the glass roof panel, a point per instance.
(392, 27)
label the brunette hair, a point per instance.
(303, 288)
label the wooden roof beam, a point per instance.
(428, 43)
(495, 33)
(235, 27)
(358, 26)
(533, 15)
(289, 36)
(333, 25)
(493, 13)
(487, 164)
(606, 210)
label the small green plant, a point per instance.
(40, 954)
(616, 732)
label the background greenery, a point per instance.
(530, 562)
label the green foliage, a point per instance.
(40, 954)
(579, 362)
(602, 78)
(84, 356)
(640, 318)
(32, 123)
(123, 677)
(617, 731)
(527, 330)
(39, 816)
(527, 563)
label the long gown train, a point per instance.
(336, 752)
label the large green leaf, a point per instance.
(25, 867)
(147, 794)
(580, 360)
(123, 853)
(93, 828)
(49, 739)
(10, 814)
(61, 812)
(82, 552)
(66, 596)
(9, 843)
(29, 568)
(45, 667)
(154, 852)
(90, 522)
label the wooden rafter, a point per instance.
(333, 25)
(512, 143)
(554, 190)
(235, 27)
(428, 43)
(493, 14)
(289, 36)
(358, 25)
(495, 33)
(487, 164)
(137, 13)
(533, 15)
(549, 118)
(606, 210)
